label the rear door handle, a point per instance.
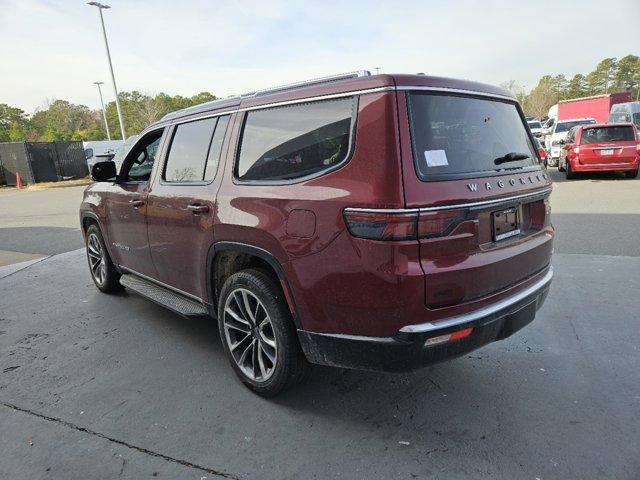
(136, 203)
(195, 208)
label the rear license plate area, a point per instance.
(606, 152)
(505, 224)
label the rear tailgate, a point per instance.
(484, 221)
(607, 145)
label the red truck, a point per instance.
(597, 107)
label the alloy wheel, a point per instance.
(97, 262)
(250, 335)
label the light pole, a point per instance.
(104, 112)
(113, 78)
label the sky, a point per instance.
(53, 49)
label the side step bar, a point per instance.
(174, 301)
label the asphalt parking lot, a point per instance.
(95, 386)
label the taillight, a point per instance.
(381, 225)
(542, 153)
(576, 150)
(401, 225)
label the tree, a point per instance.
(627, 74)
(13, 121)
(601, 79)
(63, 120)
(577, 87)
(516, 89)
(541, 98)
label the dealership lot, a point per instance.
(99, 386)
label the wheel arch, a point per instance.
(215, 281)
(90, 218)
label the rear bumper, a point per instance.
(604, 167)
(406, 350)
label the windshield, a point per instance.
(566, 126)
(456, 135)
(607, 134)
(534, 124)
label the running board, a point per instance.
(174, 301)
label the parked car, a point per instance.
(557, 134)
(375, 222)
(601, 148)
(122, 150)
(626, 113)
(542, 153)
(100, 151)
(536, 127)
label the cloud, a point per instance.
(54, 48)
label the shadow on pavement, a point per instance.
(41, 240)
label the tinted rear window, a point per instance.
(534, 124)
(566, 126)
(607, 134)
(461, 136)
(295, 141)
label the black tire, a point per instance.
(561, 167)
(263, 376)
(632, 173)
(569, 173)
(104, 275)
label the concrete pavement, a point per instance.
(98, 386)
(37, 223)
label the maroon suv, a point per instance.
(375, 222)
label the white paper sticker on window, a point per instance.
(436, 158)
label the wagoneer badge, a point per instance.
(537, 178)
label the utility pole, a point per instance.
(101, 7)
(104, 112)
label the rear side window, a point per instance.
(188, 153)
(295, 141)
(457, 136)
(607, 134)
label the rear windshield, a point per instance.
(607, 134)
(534, 124)
(458, 136)
(566, 126)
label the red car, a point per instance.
(374, 222)
(601, 148)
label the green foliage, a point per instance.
(62, 120)
(13, 123)
(610, 75)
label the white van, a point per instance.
(625, 113)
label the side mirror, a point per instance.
(104, 172)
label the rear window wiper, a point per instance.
(511, 157)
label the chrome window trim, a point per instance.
(366, 91)
(352, 93)
(456, 90)
(355, 105)
(483, 312)
(450, 207)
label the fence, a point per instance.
(42, 161)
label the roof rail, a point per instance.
(257, 93)
(308, 83)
